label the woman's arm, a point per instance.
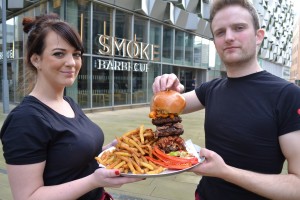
(26, 183)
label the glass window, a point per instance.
(189, 41)
(139, 82)
(167, 69)
(57, 7)
(142, 50)
(167, 44)
(123, 25)
(123, 31)
(179, 47)
(197, 51)
(78, 16)
(102, 79)
(122, 84)
(18, 38)
(155, 39)
(81, 87)
(140, 29)
(102, 25)
(153, 71)
(205, 53)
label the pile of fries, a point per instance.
(130, 153)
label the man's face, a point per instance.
(234, 36)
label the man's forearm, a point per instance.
(272, 186)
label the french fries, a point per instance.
(129, 154)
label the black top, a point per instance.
(243, 119)
(33, 133)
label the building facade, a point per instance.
(130, 42)
(295, 68)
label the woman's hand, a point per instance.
(113, 143)
(111, 178)
(167, 81)
(213, 165)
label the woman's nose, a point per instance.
(70, 61)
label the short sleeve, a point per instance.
(201, 92)
(25, 138)
(288, 109)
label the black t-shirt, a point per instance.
(243, 119)
(33, 133)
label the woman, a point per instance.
(49, 144)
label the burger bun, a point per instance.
(168, 101)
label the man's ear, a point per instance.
(260, 35)
(35, 59)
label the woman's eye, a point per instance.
(77, 55)
(58, 54)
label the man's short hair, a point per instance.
(217, 5)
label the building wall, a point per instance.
(295, 68)
(277, 19)
(177, 31)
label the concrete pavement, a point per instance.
(115, 123)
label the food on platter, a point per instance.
(137, 153)
(129, 155)
(164, 112)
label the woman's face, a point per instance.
(59, 64)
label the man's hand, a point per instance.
(167, 81)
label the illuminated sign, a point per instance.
(113, 46)
(121, 65)
(117, 47)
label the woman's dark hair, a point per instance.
(37, 29)
(217, 5)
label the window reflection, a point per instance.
(122, 85)
(179, 47)
(167, 44)
(197, 51)
(102, 20)
(155, 39)
(101, 83)
(189, 40)
(80, 90)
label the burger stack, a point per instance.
(165, 109)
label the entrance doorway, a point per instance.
(187, 78)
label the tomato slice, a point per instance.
(164, 156)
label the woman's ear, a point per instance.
(35, 60)
(260, 35)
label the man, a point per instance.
(252, 118)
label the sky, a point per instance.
(297, 6)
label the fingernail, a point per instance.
(117, 172)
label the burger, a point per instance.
(164, 111)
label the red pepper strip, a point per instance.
(156, 161)
(164, 159)
(174, 159)
(173, 166)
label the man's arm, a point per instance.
(277, 186)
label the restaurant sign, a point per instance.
(123, 48)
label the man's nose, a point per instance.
(229, 35)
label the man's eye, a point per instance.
(219, 33)
(239, 28)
